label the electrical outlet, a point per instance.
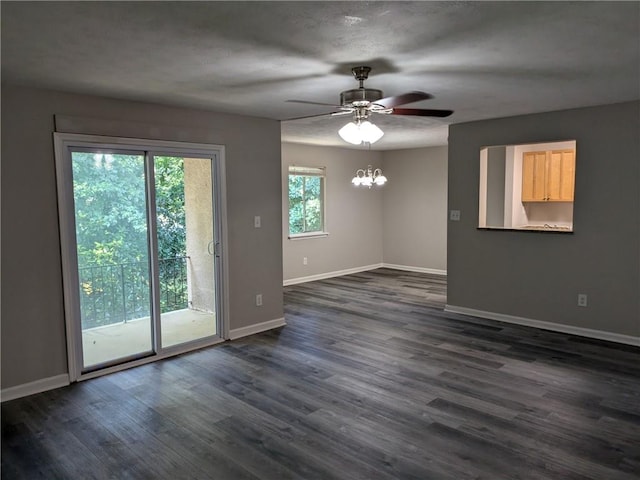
(257, 222)
(259, 300)
(304, 260)
(454, 215)
(582, 299)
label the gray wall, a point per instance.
(415, 208)
(538, 275)
(496, 173)
(353, 215)
(33, 335)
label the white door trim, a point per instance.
(62, 144)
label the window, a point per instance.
(306, 201)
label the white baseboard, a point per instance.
(556, 327)
(236, 333)
(32, 388)
(58, 381)
(337, 273)
(349, 271)
(408, 268)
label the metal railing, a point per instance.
(118, 293)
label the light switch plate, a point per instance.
(257, 222)
(454, 215)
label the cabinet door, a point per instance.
(560, 176)
(534, 176)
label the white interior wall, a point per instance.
(402, 224)
(353, 216)
(415, 209)
(482, 201)
(518, 214)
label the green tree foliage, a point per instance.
(112, 235)
(305, 203)
(169, 178)
(110, 204)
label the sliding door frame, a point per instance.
(63, 144)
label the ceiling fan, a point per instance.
(362, 102)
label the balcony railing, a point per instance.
(118, 293)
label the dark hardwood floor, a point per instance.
(370, 379)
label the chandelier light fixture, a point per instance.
(360, 132)
(368, 177)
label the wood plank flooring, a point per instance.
(370, 379)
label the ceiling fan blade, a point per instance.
(422, 112)
(341, 112)
(403, 99)
(315, 103)
(312, 116)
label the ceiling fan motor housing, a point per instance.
(364, 101)
(359, 97)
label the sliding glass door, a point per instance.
(186, 248)
(114, 284)
(141, 239)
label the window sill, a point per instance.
(531, 229)
(305, 236)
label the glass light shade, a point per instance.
(358, 133)
(380, 180)
(368, 177)
(351, 133)
(369, 132)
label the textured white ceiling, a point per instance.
(481, 59)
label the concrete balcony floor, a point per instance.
(102, 344)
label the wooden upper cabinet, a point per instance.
(548, 176)
(534, 165)
(561, 175)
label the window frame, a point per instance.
(306, 171)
